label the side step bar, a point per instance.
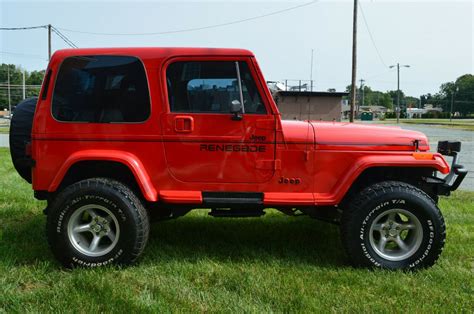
(232, 198)
(234, 204)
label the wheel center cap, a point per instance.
(97, 228)
(393, 232)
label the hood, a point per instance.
(333, 135)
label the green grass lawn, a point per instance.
(200, 264)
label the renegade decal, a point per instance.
(232, 148)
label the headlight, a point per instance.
(449, 148)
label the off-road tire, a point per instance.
(363, 209)
(20, 134)
(115, 197)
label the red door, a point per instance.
(203, 140)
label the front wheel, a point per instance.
(393, 225)
(96, 222)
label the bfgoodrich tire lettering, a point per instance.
(393, 225)
(111, 212)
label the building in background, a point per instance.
(376, 111)
(307, 105)
(418, 112)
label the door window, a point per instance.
(211, 86)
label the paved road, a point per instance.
(4, 140)
(434, 134)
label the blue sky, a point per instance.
(435, 38)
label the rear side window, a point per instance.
(101, 89)
(210, 87)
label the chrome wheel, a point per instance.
(396, 234)
(93, 230)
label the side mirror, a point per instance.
(236, 109)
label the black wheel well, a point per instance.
(410, 175)
(87, 169)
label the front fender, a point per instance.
(362, 163)
(126, 158)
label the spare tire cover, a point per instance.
(20, 135)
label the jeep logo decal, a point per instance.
(284, 180)
(257, 138)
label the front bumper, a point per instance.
(458, 172)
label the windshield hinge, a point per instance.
(416, 143)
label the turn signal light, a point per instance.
(423, 156)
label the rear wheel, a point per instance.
(393, 225)
(93, 230)
(97, 222)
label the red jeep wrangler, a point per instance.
(120, 135)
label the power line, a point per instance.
(63, 37)
(57, 31)
(22, 55)
(195, 28)
(50, 28)
(370, 35)
(22, 28)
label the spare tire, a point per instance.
(20, 135)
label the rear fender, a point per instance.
(128, 159)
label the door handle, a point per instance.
(183, 124)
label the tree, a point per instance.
(35, 77)
(373, 97)
(460, 91)
(464, 96)
(16, 78)
(411, 102)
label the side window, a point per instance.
(210, 87)
(101, 89)
(252, 100)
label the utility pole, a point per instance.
(398, 88)
(49, 41)
(354, 61)
(24, 85)
(398, 92)
(311, 74)
(9, 98)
